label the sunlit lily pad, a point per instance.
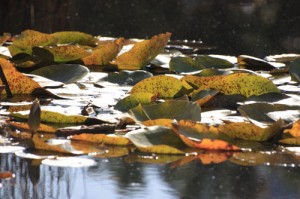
(67, 37)
(126, 77)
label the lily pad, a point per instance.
(66, 73)
(156, 139)
(126, 77)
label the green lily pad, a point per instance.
(67, 73)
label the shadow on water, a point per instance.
(116, 178)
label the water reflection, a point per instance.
(117, 178)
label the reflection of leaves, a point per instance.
(142, 52)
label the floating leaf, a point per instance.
(295, 130)
(67, 73)
(253, 63)
(126, 77)
(213, 62)
(171, 109)
(67, 53)
(203, 96)
(159, 122)
(134, 100)
(294, 70)
(257, 112)
(142, 52)
(18, 83)
(56, 117)
(28, 39)
(111, 139)
(237, 83)
(156, 139)
(43, 128)
(201, 136)
(34, 117)
(185, 64)
(161, 86)
(67, 37)
(104, 53)
(248, 131)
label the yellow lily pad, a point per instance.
(142, 52)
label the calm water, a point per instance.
(117, 178)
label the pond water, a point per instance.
(121, 178)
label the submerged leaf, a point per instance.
(142, 52)
(161, 86)
(156, 139)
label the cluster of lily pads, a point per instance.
(145, 96)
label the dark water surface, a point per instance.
(116, 178)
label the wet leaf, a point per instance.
(67, 37)
(134, 100)
(185, 64)
(213, 62)
(142, 52)
(34, 117)
(161, 86)
(99, 138)
(159, 122)
(22, 126)
(294, 70)
(127, 77)
(18, 83)
(237, 83)
(104, 53)
(249, 131)
(156, 139)
(253, 63)
(56, 117)
(202, 136)
(171, 109)
(28, 39)
(67, 53)
(67, 73)
(257, 112)
(295, 130)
